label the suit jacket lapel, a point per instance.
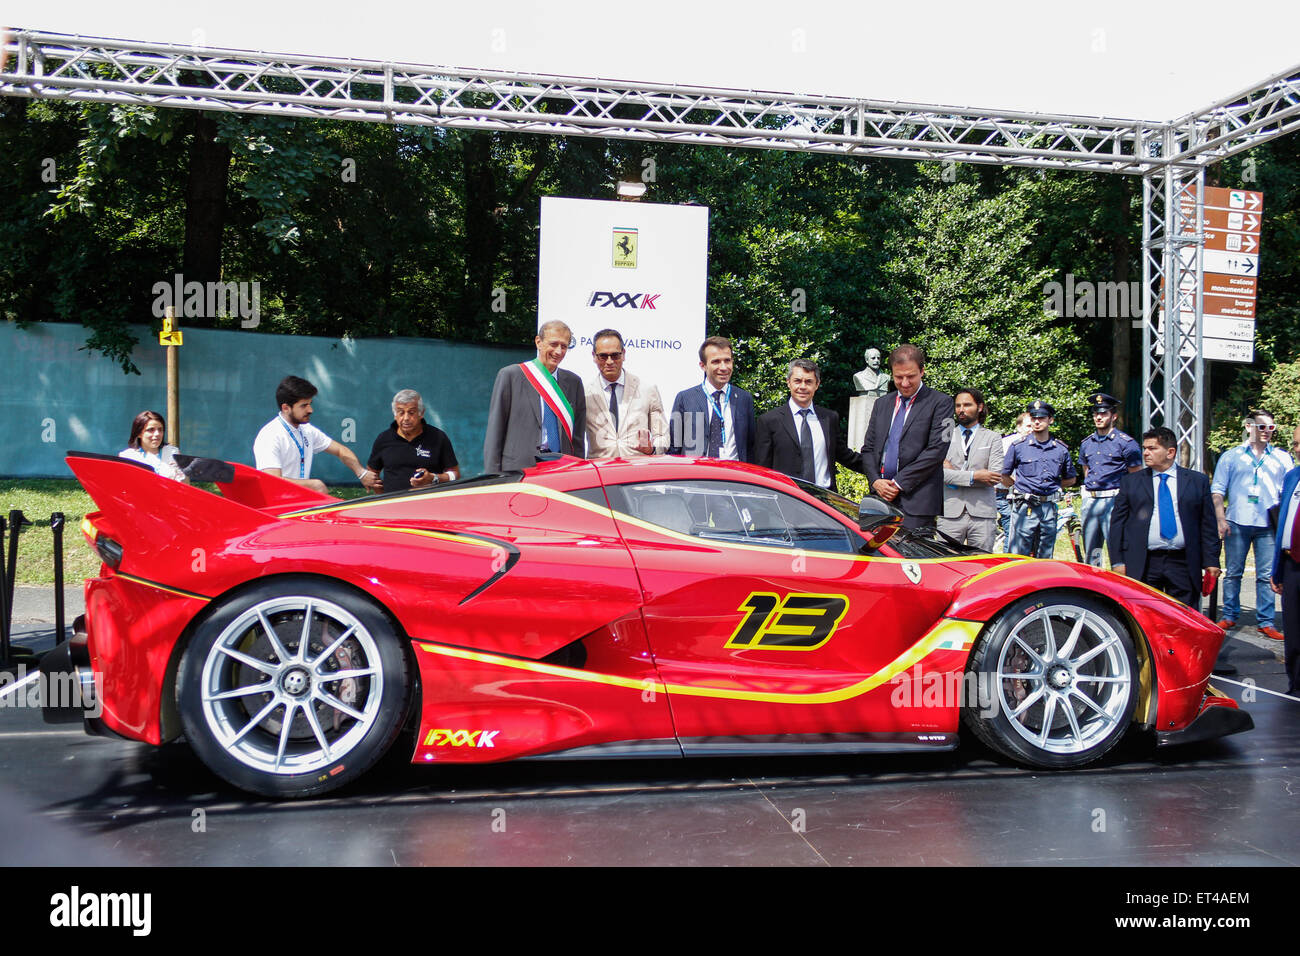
(535, 400)
(787, 421)
(602, 405)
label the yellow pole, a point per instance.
(173, 386)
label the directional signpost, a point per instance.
(1230, 258)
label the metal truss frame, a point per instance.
(54, 66)
(1172, 282)
(1169, 156)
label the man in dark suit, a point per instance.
(715, 419)
(1163, 531)
(536, 406)
(802, 439)
(1286, 568)
(907, 439)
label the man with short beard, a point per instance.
(287, 443)
(971, 473)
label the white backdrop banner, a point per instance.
(640, 268)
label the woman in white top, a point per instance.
(146, 446)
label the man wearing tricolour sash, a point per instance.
(536, 406)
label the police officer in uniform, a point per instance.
(1042, 466)
(1105, 456)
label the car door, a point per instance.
(766, 623)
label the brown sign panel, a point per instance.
(1235, 286)
(1230, 307)
(1236, 220)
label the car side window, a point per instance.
(733, 512)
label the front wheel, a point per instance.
(1057, 681)
(294, 688)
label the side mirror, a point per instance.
(878, 521)
(206, 469)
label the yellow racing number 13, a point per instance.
(797, 622)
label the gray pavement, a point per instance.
(33, 615)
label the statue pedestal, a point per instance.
(859, 416)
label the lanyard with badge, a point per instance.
(302, 449)
(1253, 497)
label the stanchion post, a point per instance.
(16, 522)
(4, 601)
(56, 528)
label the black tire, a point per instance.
(1046, 699)
(236, 686)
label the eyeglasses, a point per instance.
(609, 356)
(1263, 428)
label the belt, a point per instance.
(1021, 498)
(1104, 494)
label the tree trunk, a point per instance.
(482, 234)
(1123, 325)
(205, 208)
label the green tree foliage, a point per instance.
(370, 230)
(975, 302)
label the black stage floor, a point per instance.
(66, 798)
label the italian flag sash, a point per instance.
(540, 377)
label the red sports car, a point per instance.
(598, 609)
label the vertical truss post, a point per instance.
(1172, 365)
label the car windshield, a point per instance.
(909, 544)
(844, 506)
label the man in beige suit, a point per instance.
(625, 417)
(971, 474)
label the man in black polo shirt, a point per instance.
(411, 452)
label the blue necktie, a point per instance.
(889, 467)
(717, 431)
(550, 430)
(1168, 523)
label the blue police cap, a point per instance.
(1040, 409)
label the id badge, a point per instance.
(1253, 499)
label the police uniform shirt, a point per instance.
(399, 459)
(1038, 466)
(1108, 458)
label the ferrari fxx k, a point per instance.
(653, 607)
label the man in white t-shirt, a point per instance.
(286, 444)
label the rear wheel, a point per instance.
(294, 688)
(1057, 681)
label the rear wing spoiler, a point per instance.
(116, 483)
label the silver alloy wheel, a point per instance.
(292, 685)
(1063, 679)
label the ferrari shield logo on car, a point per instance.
(624, 248)
(913, 571)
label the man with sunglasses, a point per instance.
(1250, 478)
(625, 416)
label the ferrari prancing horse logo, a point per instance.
(797, 622)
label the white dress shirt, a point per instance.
(821, 466)
(728, 450)
(1154, 541)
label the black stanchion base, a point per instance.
(19, 657)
